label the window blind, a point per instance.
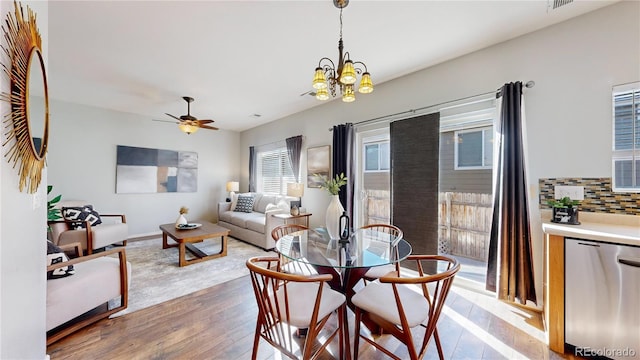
(274, 171)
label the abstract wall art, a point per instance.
(318, 165)
(143, 170)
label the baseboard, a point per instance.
(146, 236)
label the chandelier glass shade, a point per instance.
(328, 78)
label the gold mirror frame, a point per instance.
(23, 40)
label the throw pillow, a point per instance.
(245, 203)
(271, 207)
(283, 205)
(234, 200)
(81, 214)
(55, 255)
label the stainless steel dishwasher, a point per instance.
(602, 299)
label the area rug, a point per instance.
(156, 276)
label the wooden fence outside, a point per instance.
(464, 220)
(377, 207)
(465, 224)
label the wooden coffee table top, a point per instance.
(206, 231)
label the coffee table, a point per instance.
(186, 238)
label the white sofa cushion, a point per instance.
(69, 297)
(261, 205)
(256, 223)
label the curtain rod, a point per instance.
(277, 141)
(528, 84)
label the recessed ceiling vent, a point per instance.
(554, 4)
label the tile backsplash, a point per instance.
(598, 196)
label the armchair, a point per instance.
(91, 237)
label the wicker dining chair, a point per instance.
(393, 305)
(287, 302)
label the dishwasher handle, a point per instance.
(635, 262)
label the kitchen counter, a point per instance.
(614, 233)
(611, 228)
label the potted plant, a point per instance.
(565, 210)
(53, 213)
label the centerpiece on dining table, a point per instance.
(335, 208)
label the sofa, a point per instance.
(254, 227)
(96, 280)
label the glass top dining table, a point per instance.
(364, 248)
(347, 260)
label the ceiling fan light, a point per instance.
(366, 86)
(319, 80)
(348, 75)
(322, 94)
(188, 128)
(348, 95)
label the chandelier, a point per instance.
(328, 77)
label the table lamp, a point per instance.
(232, 186)
(295, 190)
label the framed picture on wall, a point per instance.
(318, 165)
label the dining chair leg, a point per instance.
(256, 341)
(438, 346)
(356, 333)
(341, 333)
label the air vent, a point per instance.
(554, 4)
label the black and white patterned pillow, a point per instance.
(55, 255)
(244, 204)
(81, 214)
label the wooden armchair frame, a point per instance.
(378, 271)
(60, 332)
(274, 313)
(282, 230)
(89, 234)
(440, 282)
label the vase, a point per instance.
(181, 220)
(332, 217)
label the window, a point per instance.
(474, 148)
(376, 156)
(274, 171)
(626, 138)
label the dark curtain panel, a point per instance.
(343, 162)
(253, 168)
(415, 154)
(294, 149)
(510, 265)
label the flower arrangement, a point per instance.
(184, 210)
(333, 185)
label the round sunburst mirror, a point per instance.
(27, 125)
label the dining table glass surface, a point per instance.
(363, 248)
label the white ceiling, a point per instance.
(238, 58)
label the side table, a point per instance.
(302, 219)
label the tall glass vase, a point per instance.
(332, 217)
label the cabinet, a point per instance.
(554, 267)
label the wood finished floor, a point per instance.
(219, 323)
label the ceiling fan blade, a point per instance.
(167, 121)
(204, 121)
(208, 127)
(175, 117)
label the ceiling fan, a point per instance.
(189, 124)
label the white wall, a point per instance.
(82, 163)
(22, 241)
(574, 64)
